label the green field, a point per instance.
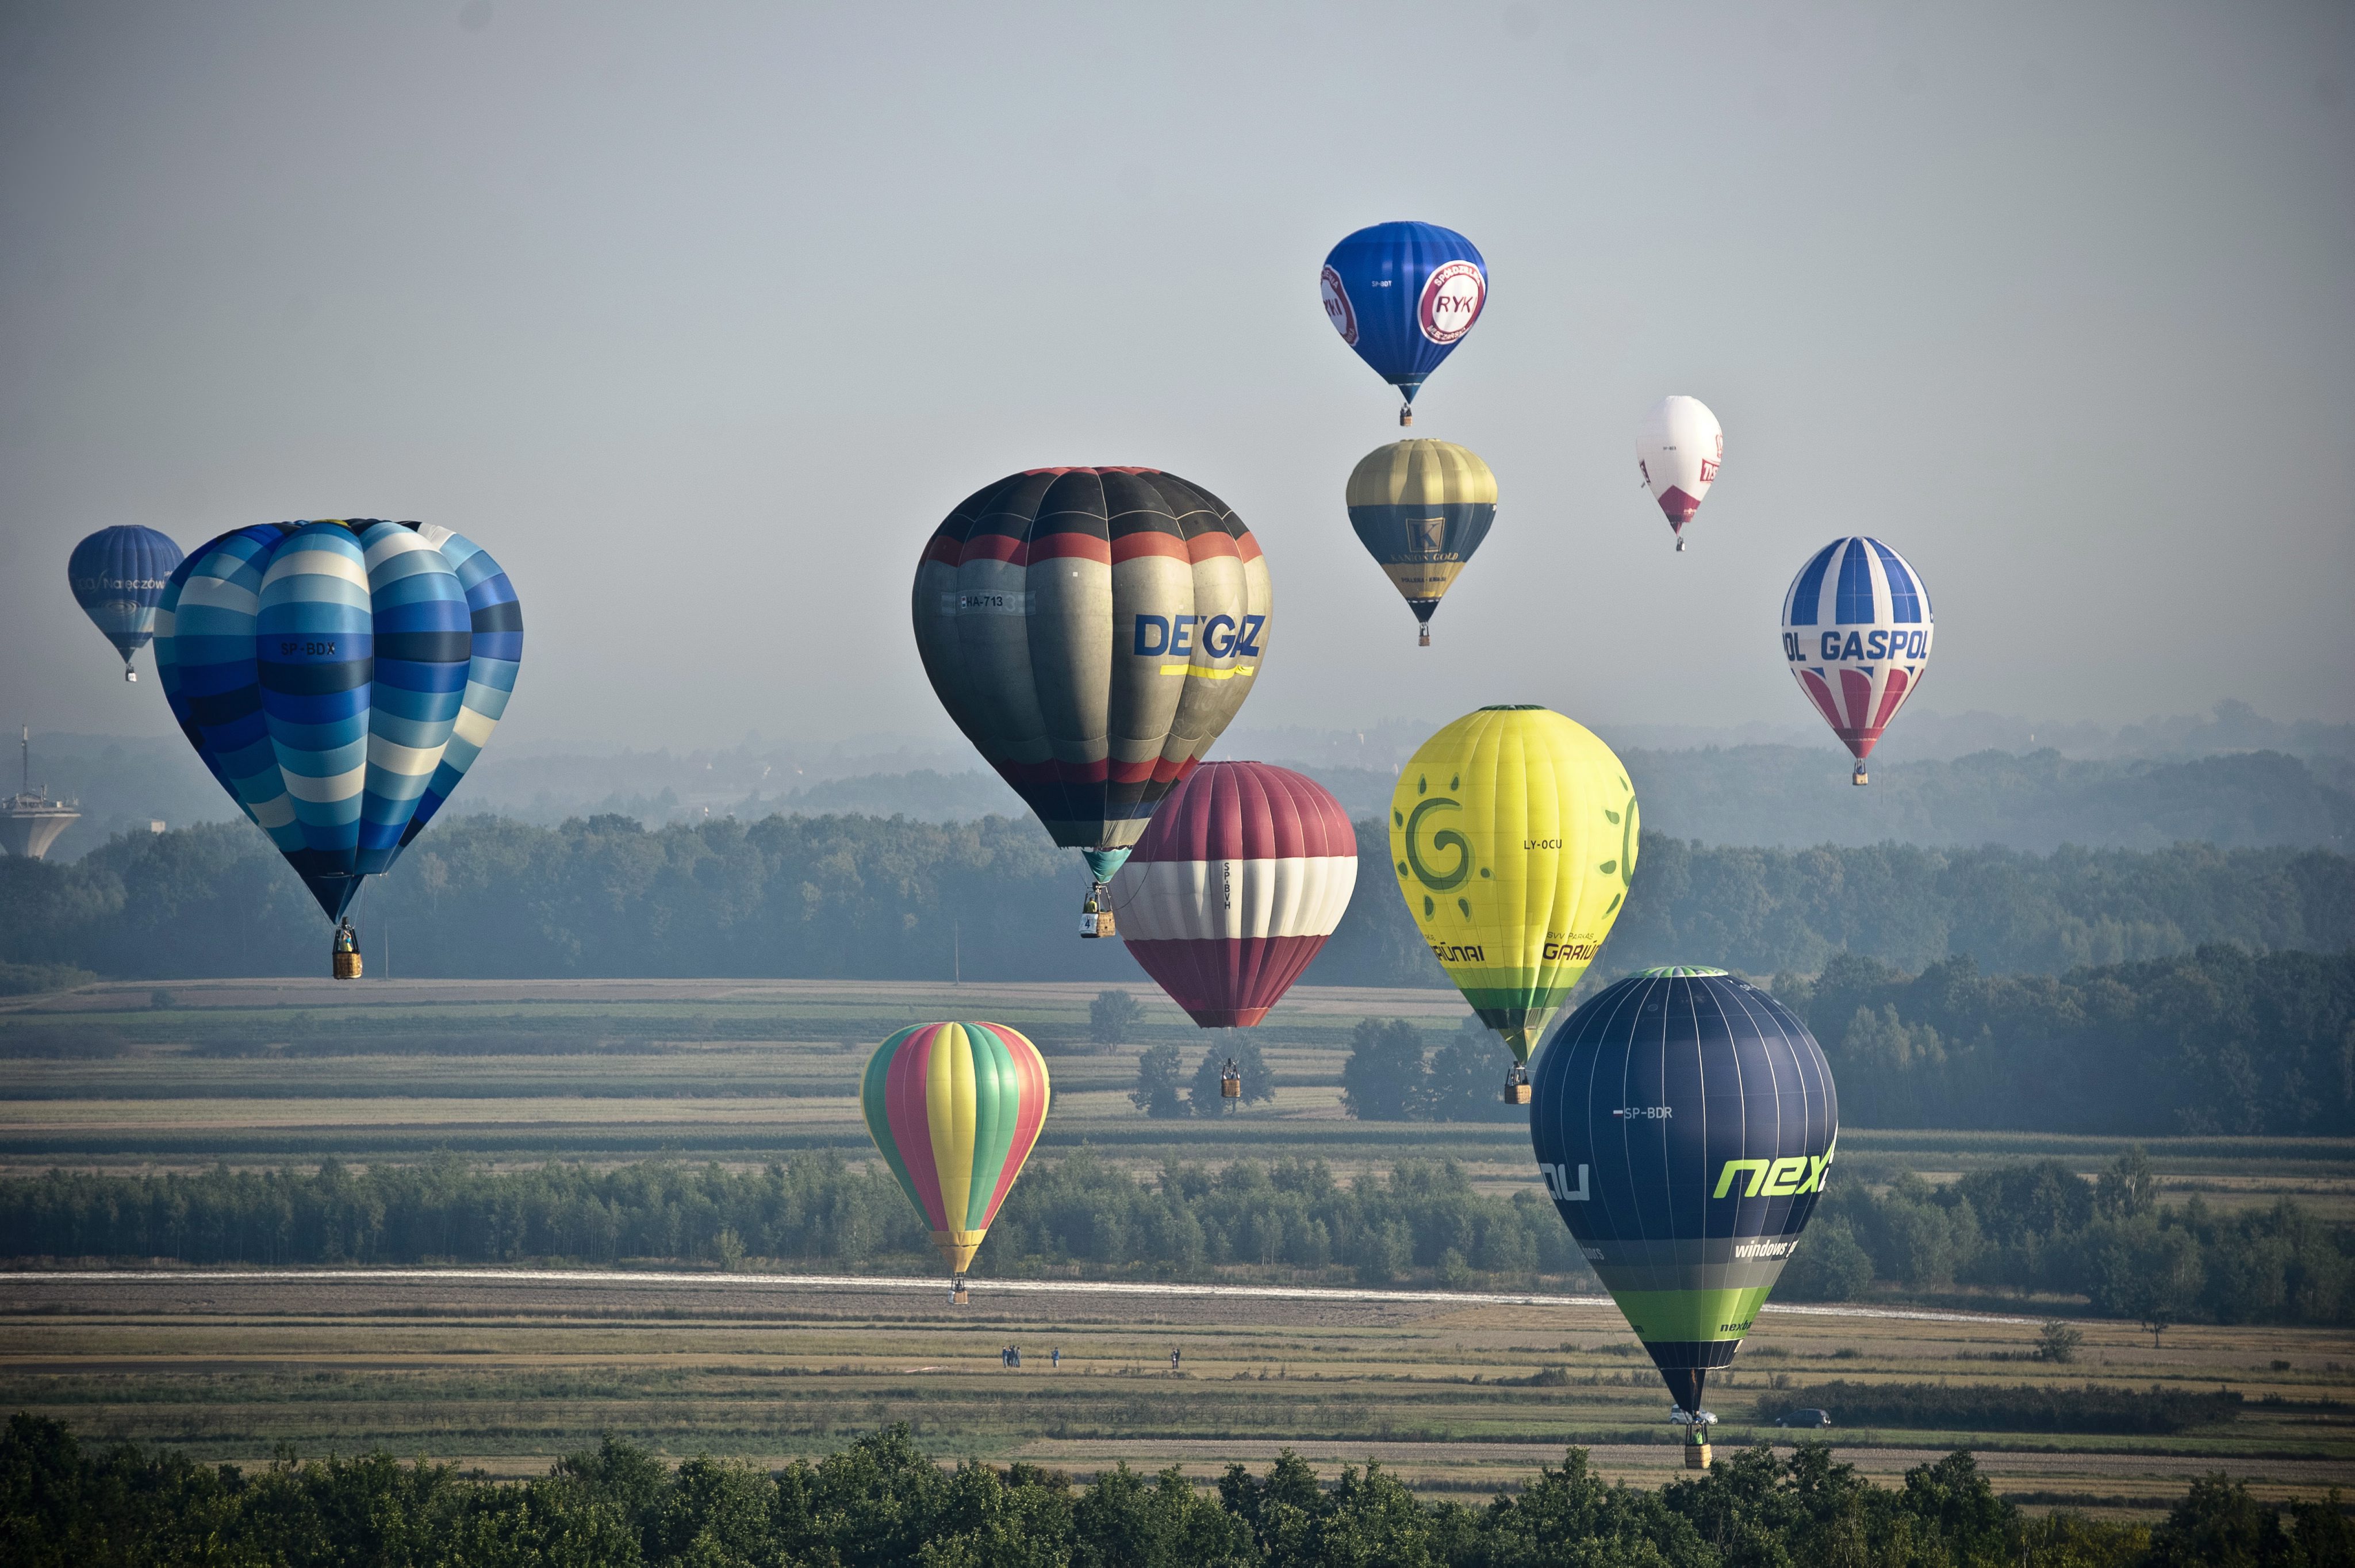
(508, 1373)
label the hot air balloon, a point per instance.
(338, 678)
(1513, 833)
(1684, 1125)
(1244, 872)
(1420, 508)
(1677, 451)
(954, 1109)
(1403, 295)
(1092, 630)
(118, 576)
(1855, 634)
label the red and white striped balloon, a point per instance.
(1243, 873)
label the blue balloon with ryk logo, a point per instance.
(117, 576)
(1403, 295)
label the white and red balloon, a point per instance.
(1677, 451)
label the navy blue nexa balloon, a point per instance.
(118, 576)
(1403, 295)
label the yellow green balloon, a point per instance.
(1513, 835)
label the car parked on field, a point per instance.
(1809, 1416)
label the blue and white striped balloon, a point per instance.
(1855, 633)
(338, 678)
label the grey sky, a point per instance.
(701, 316)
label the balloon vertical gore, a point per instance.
(954, 1109)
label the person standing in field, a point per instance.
(1055, 1358)
(1173, 1362)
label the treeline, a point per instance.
(2036, 1227)
(884, 1503)
(2216, 1040)
(2029, 1228)
(2219, 1041)
(871, 898)
(808, 1208)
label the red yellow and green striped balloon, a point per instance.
(955, 1108)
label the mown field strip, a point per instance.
(606, 1278)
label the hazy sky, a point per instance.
(701, 316)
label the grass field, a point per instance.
(507, 1373)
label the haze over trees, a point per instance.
(874, 898)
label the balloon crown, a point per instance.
(1512, 707)
(1676, 972)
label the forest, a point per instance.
(875, 898)
(2029, 1228)
(2216, 1040)
(883, 1503)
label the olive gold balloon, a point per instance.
(1513, 839)
(1420, 508)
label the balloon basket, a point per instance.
(1517, 1087)
(1406, 414)
(129, 674)
(1095, 915)
(1680, 545)
(1423, 641)
(347, 966)
(957, 1297)
(1697, 1455)
(1231, 1082)
(1861, 777)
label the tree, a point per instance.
(1112, 1017)
(1383, 1079)
(1155, 1093)
(2130, 1189)
(1259, 1084)
(2057, 1341)
(1829, 1265)
(1465, 1073)
(2149, 1274)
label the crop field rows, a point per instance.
(611, 1071)
(1456, 1397)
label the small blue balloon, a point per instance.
(118, 576)
(1403, 295)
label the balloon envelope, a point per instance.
(1092, 630)
(1243, 874)
(1855, 634)
(954, 1109)
(1677, 451)
(338, 678)
(1420, 508)
(1513, 833)
(1684, 1122)
(118, 576)
(1403, 295)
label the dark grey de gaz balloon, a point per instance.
(1685, 1122)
